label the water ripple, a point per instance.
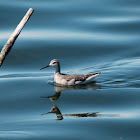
(111, 20)
(70, 35)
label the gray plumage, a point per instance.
(64, 79)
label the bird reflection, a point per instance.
(58, 89)
(54, 97)
(55, 109)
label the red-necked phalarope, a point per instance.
(69, 80)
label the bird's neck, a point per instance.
(57, 68)
(59, 115)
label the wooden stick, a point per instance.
(7, 47)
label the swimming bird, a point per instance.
(69, 80)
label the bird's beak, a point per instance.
(45, 113)
(44, 67)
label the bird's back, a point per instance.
(74, 79)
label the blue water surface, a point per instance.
(86, 36)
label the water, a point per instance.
(86, 36)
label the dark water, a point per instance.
(86, 36)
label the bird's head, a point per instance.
(53, 63)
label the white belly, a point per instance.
(58, 79)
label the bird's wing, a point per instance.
(80, 78)
(75, 77)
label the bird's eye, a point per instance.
(54, 62)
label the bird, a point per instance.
(69, 80)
